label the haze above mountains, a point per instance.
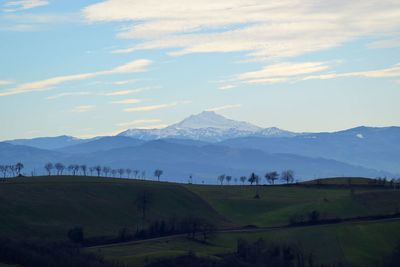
(208, 144)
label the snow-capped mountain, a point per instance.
(207, 126)
(210, 119)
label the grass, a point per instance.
(47, 207)
(278, 203)
(354, 244)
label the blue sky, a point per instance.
(88, 68)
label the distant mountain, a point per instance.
(207, 144)
(179, 161)
(32, 158)
(377, 148)
(101, 144)
(48, 142)
(210, 119)
(206, 126)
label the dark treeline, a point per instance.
(39, 254)
(314, 217)
(97, 170)
(193, 227)
(11, 170)
(59, 169)
(286, 176)
(248, 254)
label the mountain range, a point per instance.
(208, 144)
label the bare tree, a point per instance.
(142, 203)
(59, 167)
(287, 176)
(106, 171)
(135, 173)
(144, 175)
(76, 169)
(11, 170)
(91, 170)
(48, 167)
(158, 173)
(243, 179)
(221, 178)
(18, 168)
(236, 180)
(128, 171)
(4, 169)
(253, 178)
(113, 172)
(228, 178)
(98, 170)
(271, 177)
(121, 172)
(84, 169)
(71, 169)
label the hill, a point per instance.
(47, 207)
(376, 148)
(179, 159)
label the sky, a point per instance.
(94, 68)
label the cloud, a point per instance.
(6, 82)
(227, 87)
(138, 122)
(224, 107)
(126, 92)
(151, 107)
(390, 72)
(128, 101)
(262, 29)
(279, 73)
(133, 66)
(388, 43)
(81, 109)
(17, 5)
(68, 94)
(123, 82)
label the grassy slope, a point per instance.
(278, 203)
(49, 206)
(361, 244)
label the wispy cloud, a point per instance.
(68, 94)
(282, 72)
(151, 107)
(139, 122)
(128, 101)
(224, 107)
(277, 73)
(126, 92)
(390, 72)
(388, 43)
(263, 29)
(227, 87)
(82, 109)
(133, 66)
(6, 82)
(124, 82)
(17, 5)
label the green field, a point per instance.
(353, 244)
(46, 208)
(277, 203)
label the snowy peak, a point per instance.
(210, 119)
(207, 126)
